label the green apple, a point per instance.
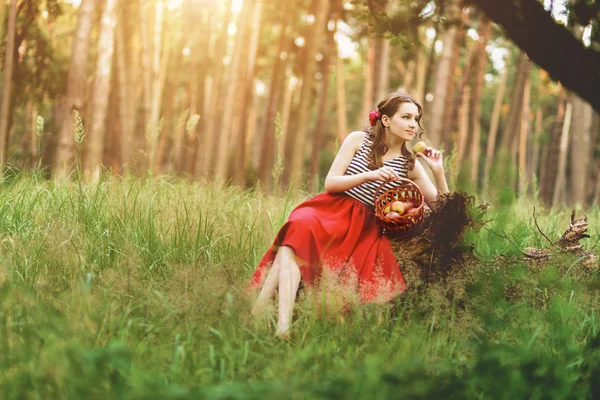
(398, 207)
(419, 147)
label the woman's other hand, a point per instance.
(433, 159)
(383, 174)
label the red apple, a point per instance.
(392, 215)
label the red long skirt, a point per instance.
(337, 236)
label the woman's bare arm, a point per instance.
(419, 176)
(337, 182)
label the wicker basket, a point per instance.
(408, 191)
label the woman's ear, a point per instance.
(385, 120)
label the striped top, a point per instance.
(365, 192)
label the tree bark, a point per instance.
(268, 141)
(322, 11)
(126, 106)
(7, 81)
(320, 129)
(485, 30)
(463, 125)
(523, 136)
(245, 103)
(444, 73)
(381, 78)
(513, 122)
(581, 133)
(146, 71)
(76, 83)
(342, 118)
(369, 68)
(421, 69)
(449, 125)
(205, 160)
(549, 45)
(560, 185)
(535, 157)
(228, 118)
(430, 65)
(100, 93)
(493, 133)
(549, 168)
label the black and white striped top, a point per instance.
(365, 192)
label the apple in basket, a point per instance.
(392, 215)
(398, 207)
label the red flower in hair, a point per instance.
(373, 117)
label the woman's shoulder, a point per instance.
(357, 136)
(356, 139)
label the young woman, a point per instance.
(337, 232)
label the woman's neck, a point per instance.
(394, 144)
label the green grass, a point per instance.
(134, 289)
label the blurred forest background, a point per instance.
(248, 91)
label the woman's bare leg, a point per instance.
(269, 286)
(289, 280)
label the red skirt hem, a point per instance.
(335, 236)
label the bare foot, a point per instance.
(283, 334)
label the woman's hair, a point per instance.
(389, 106)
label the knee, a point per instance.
(288, 253)
(288, 263)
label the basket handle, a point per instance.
(389, 180)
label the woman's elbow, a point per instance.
(329, 185)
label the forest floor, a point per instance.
(134, 289)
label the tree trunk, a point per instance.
(205, 160)
(320, 129)
(381, 78)
(444, 73)
(560, 185)
(306, 95)
(430, 65)
(286, 112)
(160, 58)
(369, 69)
(126, 111)
(245, 103)
(493, 133)
(100, 92)
(514, 115)
(158, 64)
(594, 191)
(485, 30)
(34, 142)
(523, 136)
(342, 118)
(535, 157)
(228, 117)
(7, 84)
(463, 126)
(76, 82)
(146, 71)
(549, 168)
(421, 69)
(268, 141)
(580, 142)
(449, 124)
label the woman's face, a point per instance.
(403, 124)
